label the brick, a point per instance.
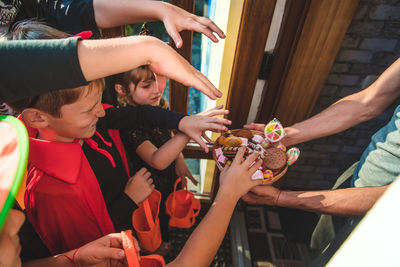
(392, 29)
(363, 142)
(326, 170)
(313, 155)
(370, 79)
(366, 28)
(329, 90)
(312, 176)
(302, 168)
(384, 58)
(365, 69)
(385, 12)
(354, 56)
(377, 44)
(343, 79)
(352, 149)
(361, 12)
(348, 91)
(350, 41)
(340, 68)
(325, 148)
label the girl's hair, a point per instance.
(142, 73)
(34, 30)
(51, 102)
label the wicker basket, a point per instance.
(268, 181)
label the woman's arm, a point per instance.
(203, 243)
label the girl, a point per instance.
(156, 149)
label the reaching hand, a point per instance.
(263, 195)
(236, 178)
(139, 186)
(106, 251)
(255, 126)
(176, 19)
(195, 126)
(182, 170)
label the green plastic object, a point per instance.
(23, 146)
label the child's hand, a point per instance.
(236, 178)
(195, 126)
(182, 170)
(139, 186)
(176, 19)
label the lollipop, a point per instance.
(274, 131)
(292, 155)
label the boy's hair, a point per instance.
(142, 73)
(35, 30)
(51, 102)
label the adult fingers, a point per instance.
(174, 34)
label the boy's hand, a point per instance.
(236, 178)
(105, 251)
(176, 19)
(139, 186)
(182, 170)
(195, 126)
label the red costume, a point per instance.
(63, 199)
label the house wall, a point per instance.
(371, 44)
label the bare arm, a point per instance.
(161, 158)
(100, 58)
(204, 242)
(345, 202)
(347, 112)
(110, 14)
(105, 251)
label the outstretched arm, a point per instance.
(100, 58)
(347, 112)
(105, 251)
(342, 202)
(110, 14)
(204, 242)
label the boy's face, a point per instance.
(9, 241)
(146, 93)
(78, 120)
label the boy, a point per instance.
(78, 187)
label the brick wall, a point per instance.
(371, 44)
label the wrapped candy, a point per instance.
(258, 139)
(258, 175)
(274, 131)
(292, 155)
(222, 159)
(267, 174)
(281, 146)
(218, 152)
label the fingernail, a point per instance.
(178, 44)
(121, 254)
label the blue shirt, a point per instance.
(380, 163)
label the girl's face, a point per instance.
(9, 240)
(146, 93)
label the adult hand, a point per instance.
(262, 195)
(236, 178)
(105, 251)
(182, 170)
(255, 126)
(139, 186)
(176, 19)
